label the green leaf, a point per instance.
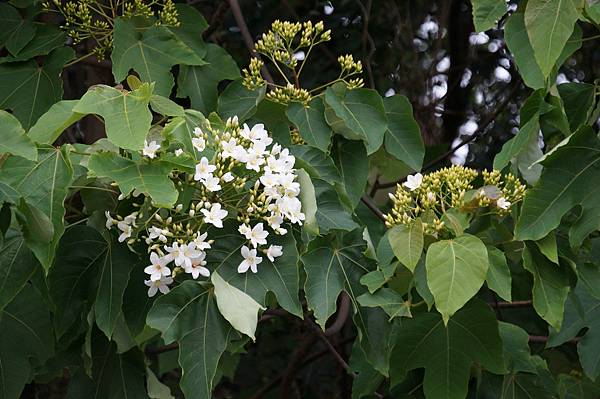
(238, 308)
(456, 270)
(550, 286)
(330, 213)
(149, 50)
(351, 160)
(565, 182)
(199, 83)
(358, 114)
(51, 124)
(182, 129)
(549, 25)
(498, 276)
(309, 202)
(189, 315)
(26, 335)
(578, 100)
(13, 138)
(310, 121)
(29, 89)
(518, 144)
(389, 300)
(17, 266)
(164, 106)
(37, 227)
(519, 45)
(47, 38)
(156, 389)
(191, 26)
(407, 243)
(403, 137)
(547, 246)
(16, 31)
(448, 352)
(43, 185)
(316, 163)
(126, 114)
(368, 379)
(517, 355)
(487, 12)
(149, 178)
(238, 101)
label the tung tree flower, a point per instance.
(413, 181)
(158, 269)
(150, 148)
(161, 285)
(250, 260)
(214, 215)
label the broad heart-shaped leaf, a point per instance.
(238, 308)
(13, 139)
(487, 12)
(199, 83)
(26, 338)
(310, 121)
(578, 99)
(581, 311)
(126, 114)
(236, 100)
(550, 285)
(47, 38)
(359, 115)
(498, 276)
(189, 315)
(29, 89)
(149, 50)
(549, 25)
(50, 125)
(518, 42)
(43, 185)
(407, 243)
(148, 177)
(403, 137)
(113, 375)
(565, 183)
(330, 212)
(16, 31)
(456, 270)
(351, 160)
(89, 273)
(316, 163)
(279, 277)
(17, 265)
(447, 352)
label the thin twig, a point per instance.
(371, 205)
(331, 348)
(513, 304)
(342, 316)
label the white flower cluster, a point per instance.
(248, 178)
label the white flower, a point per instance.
(274, 251)
(503, 203)
(109, 220)
(227, 177)
(199, 143)
(257, 236)
(182, 255)
(257, 133)
(250, 260)
(211, 183)
(244, 230)
(269, 179)
(178, 152)
(430, 196)
(275, 221)
(130, 219)
(215, 215)
(161, 285)
(126, 231)
(201, 242)
(204, 169)
(155, 232)
(158, 268)
(228, 148)
(196, 268)
(292, 187)
(198, 131)
(239, 154)
(150, 148)
(413, 181)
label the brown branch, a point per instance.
(342, 316)
(331, 348)
(543, 339)
(154, 351)
(373, 207)
(513, 304)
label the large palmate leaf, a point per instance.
(148, 177)
(406, 243)
(549, 25)
(564, 183)
(447, 352)
(16, 31)
(43, 185)
(13, 139)
(89, 273)
(456, 270)
(310, 121)
(150, 51)
(316, 163)
(50, 125)
(237, 100)
(29, 89)
(199, 83)
(550, 286)
(17, 265)
(357, 114)
(126, 114)
(330, 213)
(403, 137)
(47, 38)
(26, 337)
(189, 315)
(487, 12)
(279, 277)
(351, 160)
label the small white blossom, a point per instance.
(204, 169)
(196, 268)
(215, 215)
(245, 230)
(150, 148)
(158, 267)
(130, 219)
(227, 177)
(201, 242)
(274, 251)
(430, 196)
(198, 131)
(211, 183)
(257, 236)
(126, 231)
(250, 260)
(157, 233)
(503, 203)
(199, 143)
(413, 181)
(182, 254)
(161, 285)
(110, 222)
(178, 152)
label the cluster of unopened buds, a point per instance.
(432, 195)
(241, 176)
